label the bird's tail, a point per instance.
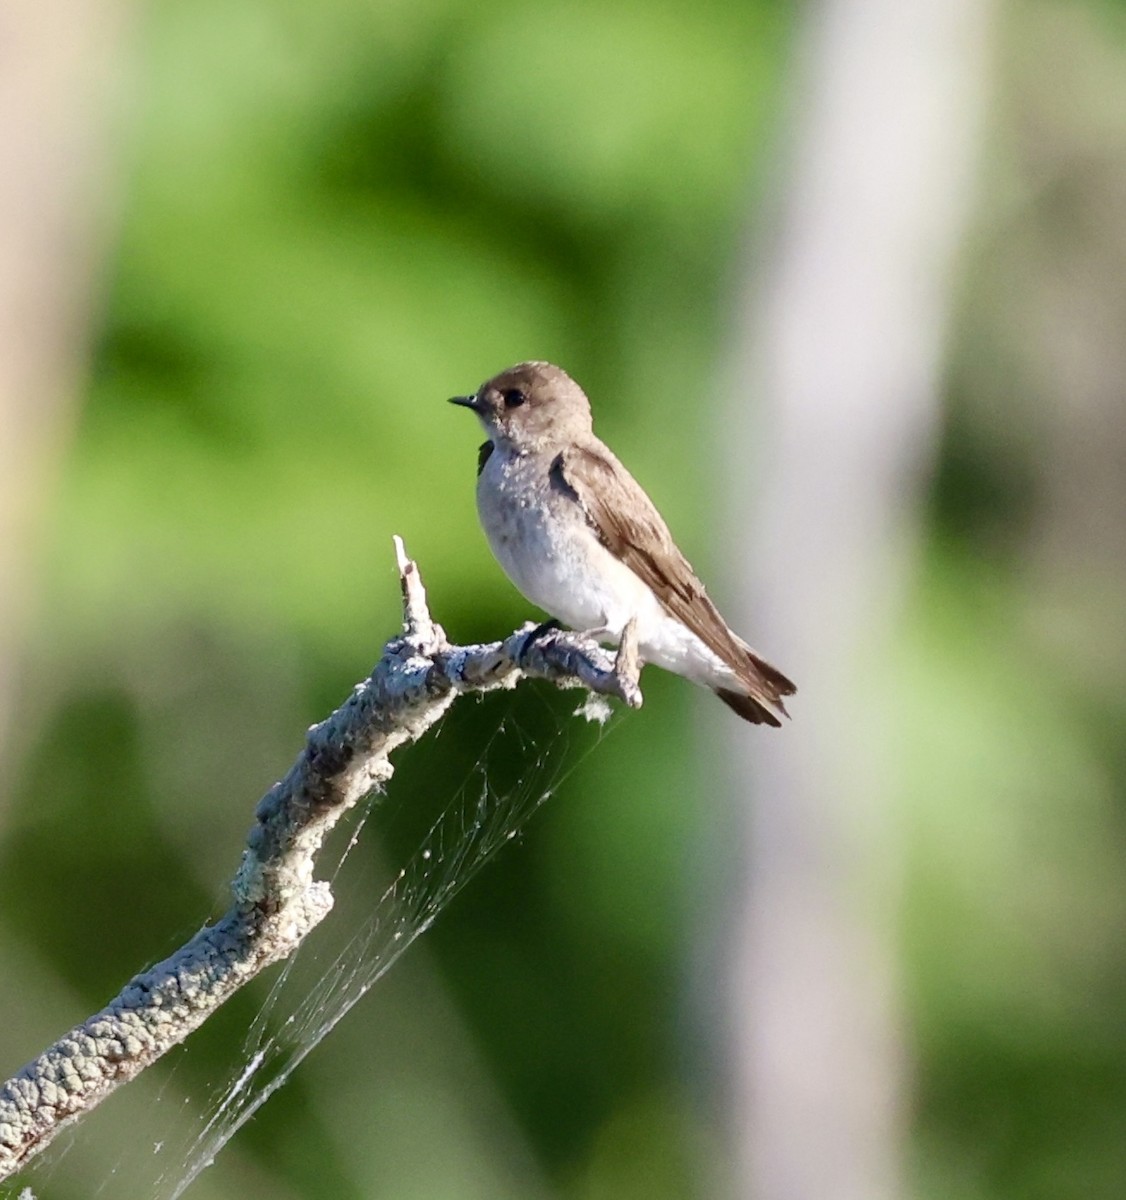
(762, 701)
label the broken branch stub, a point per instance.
(276, 899)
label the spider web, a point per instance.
(319, 984)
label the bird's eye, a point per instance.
(513, 398)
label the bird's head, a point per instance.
(531, 405)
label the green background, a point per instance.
(333, 217)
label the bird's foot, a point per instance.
(533, 635)
(602, 634)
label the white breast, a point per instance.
(546, 547)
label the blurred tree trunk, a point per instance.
(1050, 284)
(843, 335)
(56, 58)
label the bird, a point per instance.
(580, 539)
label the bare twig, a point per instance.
(627, 666)
(276, 899)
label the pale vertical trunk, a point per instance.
(835, 410)
(58, 59)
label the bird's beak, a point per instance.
(467, 402)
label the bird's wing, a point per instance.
(628, 524)
(484, 451)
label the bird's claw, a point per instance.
(533, 635)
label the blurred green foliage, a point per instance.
(334, 216)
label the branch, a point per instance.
(276, 899)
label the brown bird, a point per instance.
(576, 533)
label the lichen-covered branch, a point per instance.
(277, 900)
